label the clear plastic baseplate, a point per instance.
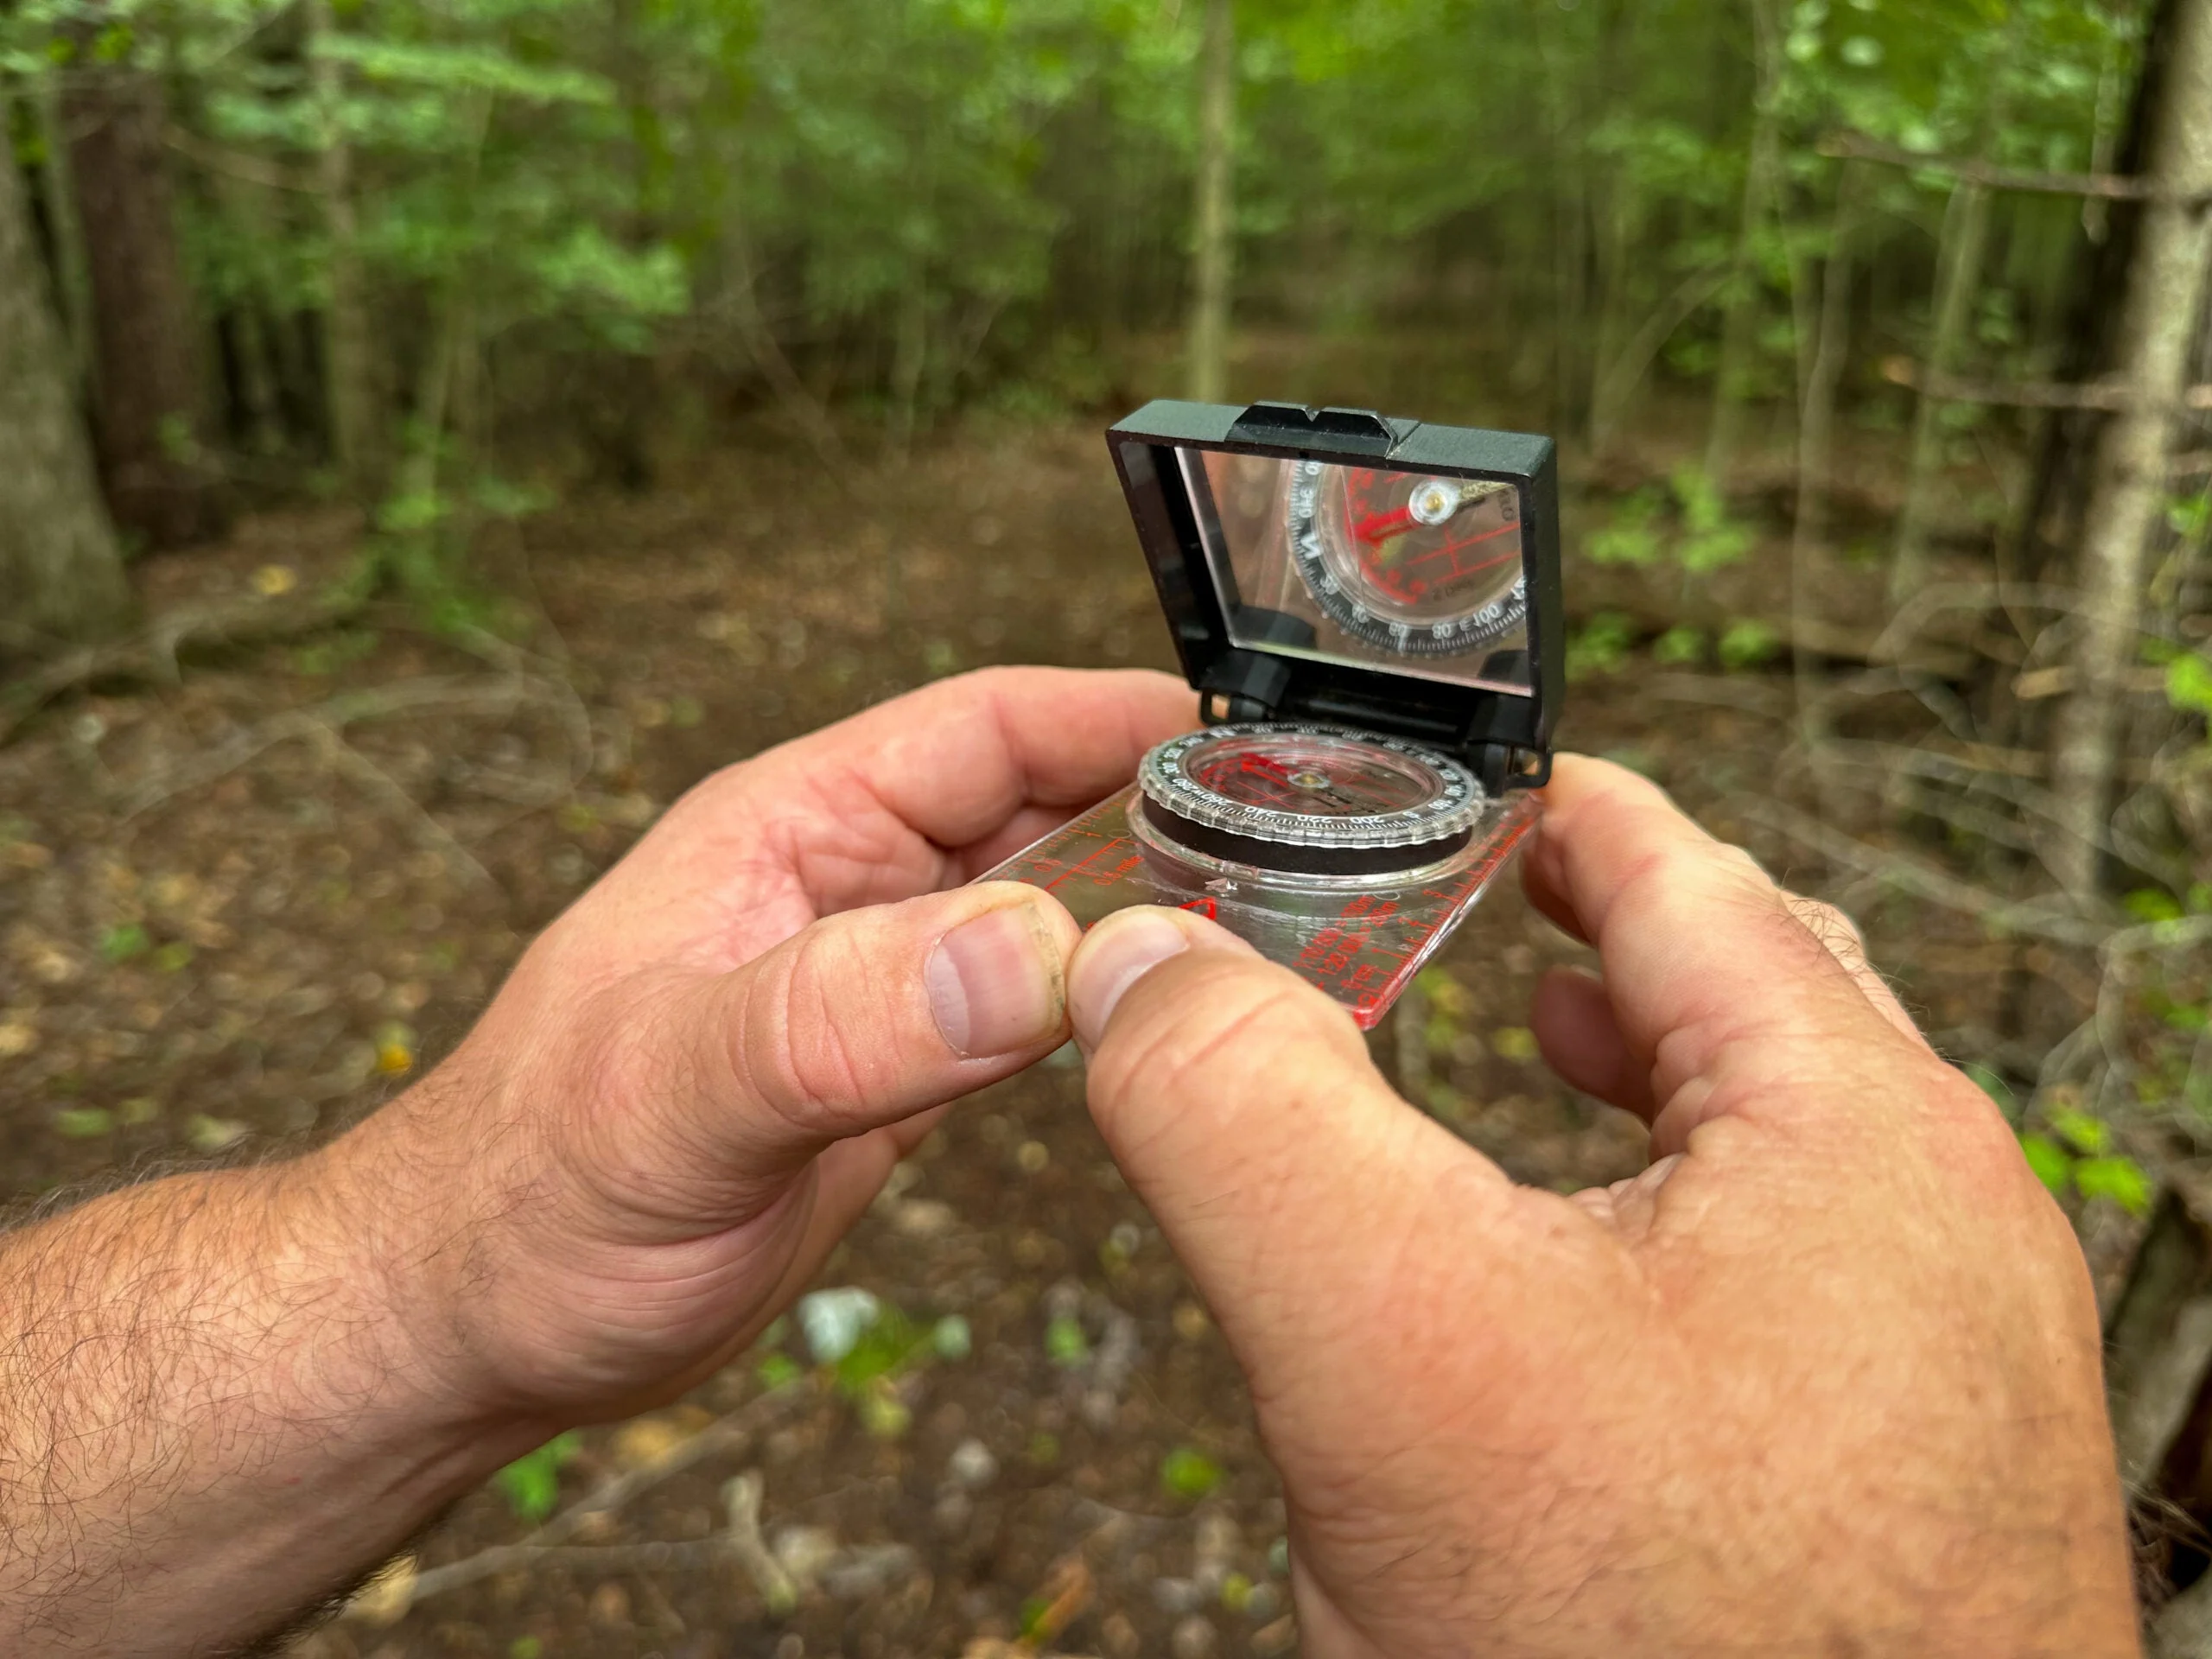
(1360, 939)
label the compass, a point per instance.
(1309, 799)
(1419, 565)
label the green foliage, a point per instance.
(884, 1349)
(126, 942)
(1188, 1474)
(2149, 904)
(531, 1484)
(1632, 534)
(2121, 1180)
(929, 203)
(1747, 645)
(1687, 521)
(2189, 685)
(778, 1371)
(2076, 1156)
(84, 1123)
(1065, 1342)
(1710, 539)
(1602, 645)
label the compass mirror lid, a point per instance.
(1332, 565)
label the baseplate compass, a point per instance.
(1370, 610)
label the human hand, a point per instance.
(1824, 1379)
(701, 1074)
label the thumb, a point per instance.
(1300, 1192)
(862, 1021)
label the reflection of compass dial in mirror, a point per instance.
(1409, 563)
(1309, 798)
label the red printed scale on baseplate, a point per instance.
(1348, 857)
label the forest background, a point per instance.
(347, 346)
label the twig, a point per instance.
(1847, 145)
(152, 653)
(1922, 881)
(2113, 396)
(742, 1495)
(503, 1558)
(449, 692)
(728, 1434)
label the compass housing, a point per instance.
(1371, 581)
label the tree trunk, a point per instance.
(1740, 320)
(357, 446)
(1213, 243)
(1965, 244)
(2051, 528)
(1959, 258)
(2158, 326)
(1822, 380)
(65, 233)
(60, 573)
(149, 393)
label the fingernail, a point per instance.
(1122, 950)
(994, 984)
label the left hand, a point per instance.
(699, 1077)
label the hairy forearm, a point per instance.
(214, 1411)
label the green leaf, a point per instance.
(2087, 1135)
(1679, 647)
(1632, 536)
(2149, 904)
(1602, 646)
(1716, 550)
(1747, 643)
(2120, 1179)
(2053, 1165)
(778, 1371)
(125, 944)
(888, 1347)
(1064, 1343)
(2189, 685)
(533, 1482)
(1188, 1474)
(83, 1123)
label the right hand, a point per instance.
(1824, 1379)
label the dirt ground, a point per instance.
(248, 907)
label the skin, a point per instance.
(223, 1396)
(1824, 1380)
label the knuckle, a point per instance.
(793, 1052)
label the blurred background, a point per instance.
(437, 432)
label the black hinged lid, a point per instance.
(1332, 564)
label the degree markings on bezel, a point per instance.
(1354, 605)
(1451, 802)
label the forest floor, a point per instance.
(245, 908)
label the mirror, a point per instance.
(1414, 573)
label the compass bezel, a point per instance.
(1504, 735)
